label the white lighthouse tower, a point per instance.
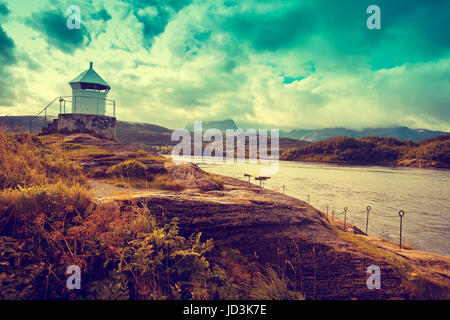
(89, 92)
(89, 103)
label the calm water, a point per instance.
(422, 193)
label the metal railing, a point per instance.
(66, 106)
(330, 211)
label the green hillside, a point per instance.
(433, 152)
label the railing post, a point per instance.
(367, 219)
(114, 109)
(345, 217)
(401, 213)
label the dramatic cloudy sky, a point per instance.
(273, 64)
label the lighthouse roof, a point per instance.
(91, 80)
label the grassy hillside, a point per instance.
(433, 152)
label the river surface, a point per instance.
(424, 195)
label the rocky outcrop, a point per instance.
(269, 227)
(191, 176)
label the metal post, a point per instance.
(64, 106)
(283, 188)
(401, 213)
(45, 117)
(332, 215)
(59, 105)
(308, 198)
(327, 211)
(367, 219)
(114, 109)
(345, 217)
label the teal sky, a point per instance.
(266, 64)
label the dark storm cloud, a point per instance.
(7, 46)
(272, 31)
(7, 58)
(101, 15)
(51, 23)
(154, 15)
(412, 31)
(3, 9)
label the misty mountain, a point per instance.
(402, 133)
(314, 135)
(221, 125)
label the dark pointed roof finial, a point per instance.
(91, 64)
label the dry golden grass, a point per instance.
(20, 207)
(132, 173)
(158, 181)
(139, 153)
(161, 181)
(25, 162)
(35, 179)
(218, 180)
(273, 285)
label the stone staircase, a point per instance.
(51, 127)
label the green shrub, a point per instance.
(128, 169)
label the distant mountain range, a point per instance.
(315, 135)
(156, 135)
(402, 133)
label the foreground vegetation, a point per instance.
(48, 221)
(433, 152)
